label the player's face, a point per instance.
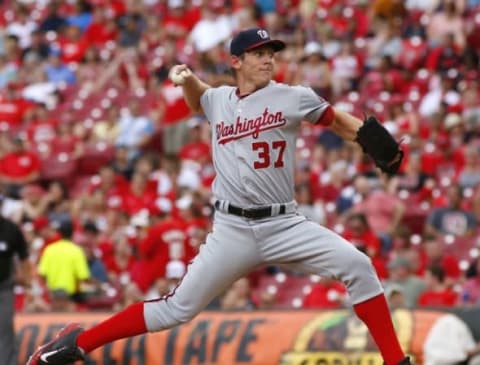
(257, 66)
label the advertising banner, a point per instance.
(229, 338)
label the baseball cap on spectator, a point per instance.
(195, 121)
(164, 205)
(140, 219)
(184, 202)
(249, 39)
(216, 4)
(312, 48)
(175, 269)
(32, 190)
(399, 262)
(55, 51)
(40, 223)
(393, 289)
(452, 120)
(90, 227)
(173, 4)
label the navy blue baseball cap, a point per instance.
(249, 39)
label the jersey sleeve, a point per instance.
(314, 108)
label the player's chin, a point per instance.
(264, 79)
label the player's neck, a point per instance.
(246, 88)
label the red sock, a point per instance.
(126, 323)
(375, 314)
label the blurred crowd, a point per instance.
(101, 159)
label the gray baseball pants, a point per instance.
(238, 245)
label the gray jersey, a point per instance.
(252, 139)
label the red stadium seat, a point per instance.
(95, 156)
(58, 167)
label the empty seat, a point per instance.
(95, 156)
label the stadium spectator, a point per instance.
(469, 174)
(131, 26)
(238, 296)
(135, 130)
(434, 254)
(22, 27)
(345, 69)
(445, 21)
(13, 107)
(267, 300)
(88, 240)
(8, 71)
(413, 179)
(120, 262)
(401, 275)
(33, 203)
(72, 45)
(395, 297)
(38, 48)
(326, 294)
(102, 28)
(18, 167)
(358, 232)
(451, 219)
(70, 272)
(53, 20)
(56, 71)
(196, 147)
(470, 291)
(81, 15)
(41, 127)
(214, 27)
(437, 293)
(384, 211)
(312, 209)
(46, 233)
(107, 129)
(314, 70)
(58, 204)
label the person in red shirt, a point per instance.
(45, 231)
(72, 44)
(358, 232)
(326, 294)
(174, 117)
(12, 106)
(139, 195)
(437, 293)
(433, 254)
(180, 18)
(196, 149)
(102, 29)
(42, 126)
(18, 167)
(120, 263)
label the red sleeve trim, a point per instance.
(327, 117)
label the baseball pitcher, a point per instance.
(254, 129)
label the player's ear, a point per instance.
(236, 61)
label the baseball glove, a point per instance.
(379, 144)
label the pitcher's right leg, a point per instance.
(230, 252)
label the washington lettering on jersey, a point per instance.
(228, 132)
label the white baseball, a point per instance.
(179, 78)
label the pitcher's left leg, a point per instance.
(311, 248)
